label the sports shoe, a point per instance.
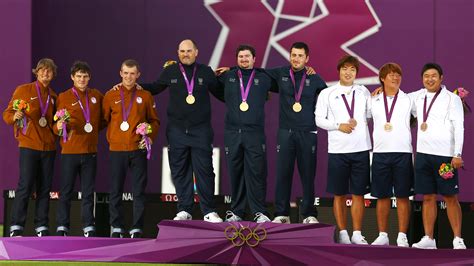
(282, 220)
(136, 235)
(343, 237)
(425, 243)
(458, 243)
(61, 233)
(42, 233)
(358, 239)
(91, 233)
(116, 235)
(232, 217)
(16, 233)
(183, 216)
(212, 217)
(381, 240)
(310, 220)
(261, 218)
(402, 240)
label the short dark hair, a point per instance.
(131, 63)
(80, 66)
(300, 45)
(387, 69)
(46, 63)
(435, 66)
(245, 47)
(348, 60)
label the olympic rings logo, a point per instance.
(245, 235)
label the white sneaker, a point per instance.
(261, 218)
(358, 239)
(425, 243)
(402, 241)
(212, 217)
(458, 243)
(282, 220)
(183, 216)
(232, 217)
(344, 238)
(381, 240)
(310, 220)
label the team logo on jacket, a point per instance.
(93, 100)
(139, 100)
(255, 82)
(231, 79)
(174, 81)
(52, 101)
(284, 79)
(307, 82)
(200, 81)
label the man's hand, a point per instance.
(310, 70)
(59, 124)
(18, 115)
(457, 162)
(346, 128)
(377, 91)
(219, 71)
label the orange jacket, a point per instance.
(142, 110)
(79, 141)
(36, 137)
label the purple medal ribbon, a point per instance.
(351, 109)
(126, 113)
(189, 85)
(85, 111)
(245, 92)
(148, 147)
(300, 91)
(388, 114)
(64, 131)
(42, 106)
(425, 112)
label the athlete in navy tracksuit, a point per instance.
(297, 137)
(246, 90)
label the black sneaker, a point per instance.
(91, 233)
(16, 233)
(136, 235)
(117, 235)
(42, 233)
(61, 233)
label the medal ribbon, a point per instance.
(388, 114)
(43, 107)
(86, 111)
(300, 91)
(245, 92)
(126, 113)
(425, 112)
(189, 85)
(351, 109)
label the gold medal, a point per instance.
(297, 107)
(190, 99)
(43, 122)
(244, 106)
(353, 122)
(424, 126)
(388, 127)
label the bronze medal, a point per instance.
(43, 122)
(244, 106)
(353, 122)
(190, 99)
(388, 127)
(297, 107)
(424, 126)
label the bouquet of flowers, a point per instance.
(462, 93)
(446, 171)
(63, 116)
(169, 63)
(24, 107)
(144, 129)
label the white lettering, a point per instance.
(127, 196)
(349, 202)
(394, 203)
(79, 195)
(442, 205)
(316, 201)
(227, 199)
(11, 194)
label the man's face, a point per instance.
(45, 75)
(298, 58)
(245, 59)
(392, 81)
(347, 74)
(81, 80)
(187, 53)
(129, 76)
(432, 80)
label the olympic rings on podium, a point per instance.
(245, 235)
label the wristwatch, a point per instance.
(458, 155)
